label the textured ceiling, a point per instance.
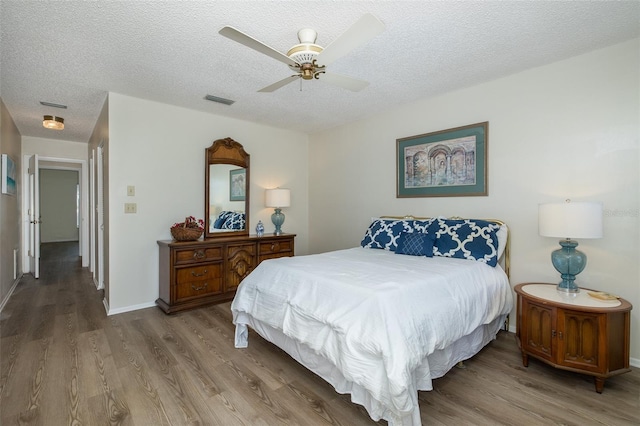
(74, 52)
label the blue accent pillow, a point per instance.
(220, 220)
(425, 226)
(234, 221)
(416, 244)
(467, 239)
(384, 233)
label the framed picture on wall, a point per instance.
(446, 163)
(8, 175)
(237, 180)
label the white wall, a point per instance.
(566, 130)
(10, 222)
(58, 205)
(160, 150)
(54, 148)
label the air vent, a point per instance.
(49, 104)
(219, 100)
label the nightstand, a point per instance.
(573, 332)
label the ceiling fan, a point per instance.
(308, 60)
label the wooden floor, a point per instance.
(63, 362)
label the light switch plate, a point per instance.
(130, 207)
(131, 190)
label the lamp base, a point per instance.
(565, 286)
(569, 262)
(278, 219)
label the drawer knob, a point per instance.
(202, 287)
(198, 254)
(199, 275)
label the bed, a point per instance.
(382, 320)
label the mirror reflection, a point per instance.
(227, 193)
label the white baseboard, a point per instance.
(13, 287)
(127, 308)
(97, 284)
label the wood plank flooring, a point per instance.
(64, 362)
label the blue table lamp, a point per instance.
(569, 220)
(277, 198)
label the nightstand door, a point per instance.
(579, 339)
(538, 329)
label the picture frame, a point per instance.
(237, 184)
(8, 175)
(446, 163)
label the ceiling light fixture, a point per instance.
(53, 122)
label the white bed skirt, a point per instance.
(438, 363)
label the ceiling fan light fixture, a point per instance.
(306, 51)
(53, 122)
(304, 58)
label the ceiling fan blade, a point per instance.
(349, 83)
(275, 86)
(242, 38)
(359, 33)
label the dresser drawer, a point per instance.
(198, 280)
(204, 254)
(279, 247)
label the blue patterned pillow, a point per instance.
(424, 226)
(234, 221)
(467, 239)
(221, 219)
(416, 244)
(384, 233)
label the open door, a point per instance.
(100, 216)
(34, 216)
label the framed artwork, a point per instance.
(447, 163)
(237, 184)
(8, 175)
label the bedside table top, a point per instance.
(549, 292)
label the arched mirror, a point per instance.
(226, 207)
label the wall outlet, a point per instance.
(130, 208)
(131, 190)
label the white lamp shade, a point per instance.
(570, 220)
(277, 198)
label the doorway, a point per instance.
(80, 204)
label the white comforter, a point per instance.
(373, 314)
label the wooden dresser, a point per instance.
(205, 272)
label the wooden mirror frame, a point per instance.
(225, 151)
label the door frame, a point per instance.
(83, 234)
